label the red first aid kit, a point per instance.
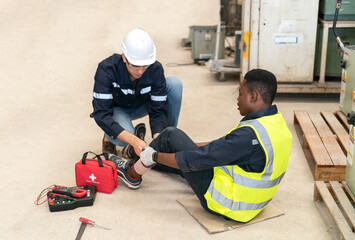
(102, 173)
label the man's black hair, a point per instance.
(262, 81)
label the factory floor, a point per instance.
(49, 54)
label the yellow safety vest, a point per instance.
(241, 195)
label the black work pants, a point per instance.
(173, 140)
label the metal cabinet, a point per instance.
(203, 42)
(280, 36)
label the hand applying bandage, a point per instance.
(149, 156)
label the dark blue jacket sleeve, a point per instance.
(102, 103)
(234, 148)
(158, 103)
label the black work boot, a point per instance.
(128, 151)
(108, 147)
(140, 130)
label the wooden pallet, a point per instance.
(336, 205)
(324, 138)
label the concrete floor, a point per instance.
(49, 54)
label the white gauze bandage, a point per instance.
(140, 168)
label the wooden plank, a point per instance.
(334, 150)
(329, 87)
(299, 133)
(335, 212)
(349, 211)
(329, 173)
(325, 215)
(305, 123)
(319, 152)
(320, 124)
(343, 119)
(317, 148)
(337, 128)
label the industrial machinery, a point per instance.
(332, 68)
(347, 79)
(346, 29)
(347, 104)
(208, 42)
(222, 66)
(350, 164)
(202, 40)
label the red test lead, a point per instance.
(90, 222)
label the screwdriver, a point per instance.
(90, 222)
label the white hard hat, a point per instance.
(138, 48)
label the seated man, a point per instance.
(237, 175)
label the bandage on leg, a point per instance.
(140, 168)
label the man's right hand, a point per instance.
(137, 143)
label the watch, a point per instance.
(155, 157)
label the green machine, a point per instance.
(332, 68)
(346, 13)
(326, 12)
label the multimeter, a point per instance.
(62, 198)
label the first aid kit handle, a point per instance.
(83, 160)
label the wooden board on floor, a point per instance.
(324, 138)
(336, 206)
(337, 127)
(214, 224)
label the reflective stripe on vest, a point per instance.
(267, 144)
(236, 206)
(252, 183)
(241, 195)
